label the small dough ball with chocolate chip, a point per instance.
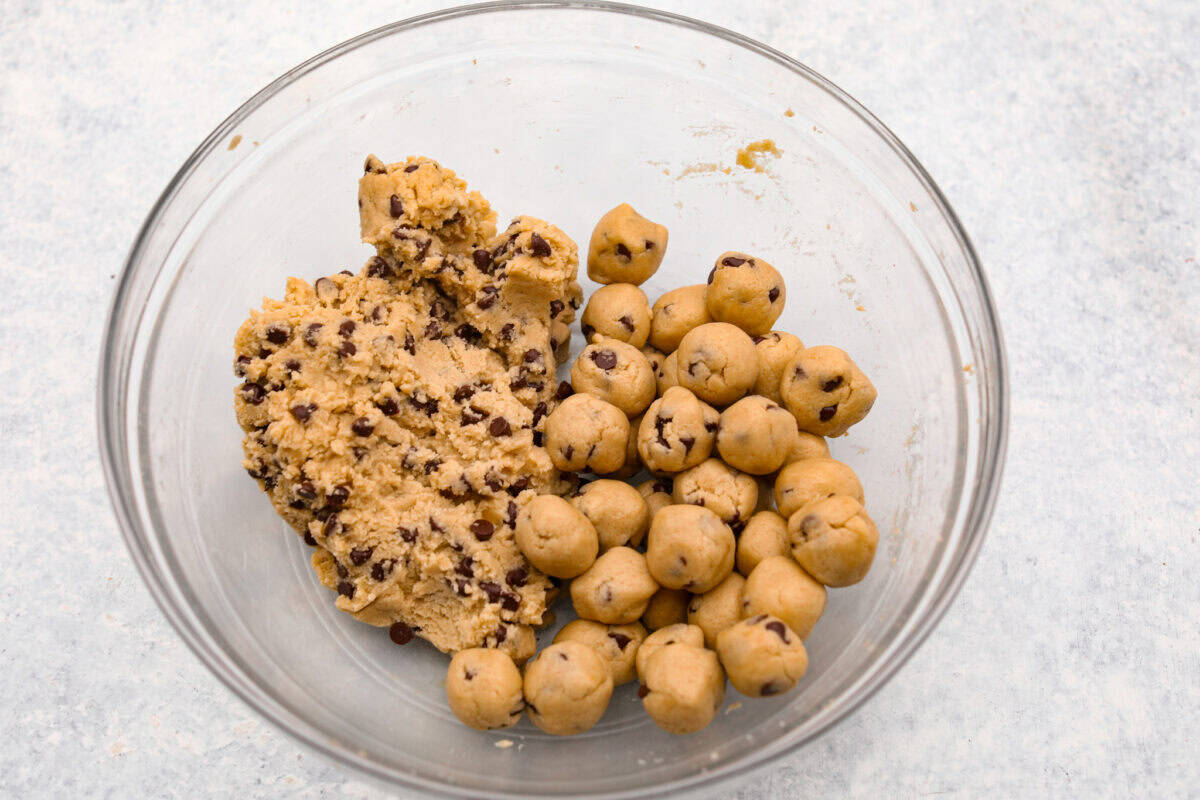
(556, 537)
(633, 463)
(567, 688)
(677, 432)
(520, 642)
(617, 645)
(679, 633)
(807, 445)
(834, 540)
(666, 607)
(825, 391)
(720, 488)
(775, 350)
(617, 511)
(618, 311)
(560, 341)
(617, 373)
(667, 374)
(778, 586)
(625, 247)
(717, 362)
(746, 291)
(585, 432)
(656, 359)
(657, 493)
(615, 589)
(689, 547)
(802, 482)
(765, 535)
(762, 656)
(718, 608)
(682, 687)
(755, 435)
(484, 688)
(676, 313)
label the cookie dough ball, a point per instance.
(717, 362)
(718, 608)
(617, 373)
(677, 431)
(689, 547)
(731, 495)
(556, 537)
(520, 642)
(560, 341)
(617, 645)
(668, 374)
(807, 445)
(483, 687)
(682, 688)
(802, 482)
(833, 539)
(656, 359)
(585, 432)
(676, 313)
(775, 350)
(755, 435)
(680, 633)
(778, 586)
(765, 535)
(666, 607)
(657, 493)
(625, 247)
(616, 510)
(618, 311)
(616, 589)
(745, 291)
(825, 391)
(567, 688)
(762, 656)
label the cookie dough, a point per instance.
(807, 445)
(560, 341)
(625, 247)
(762, 656)
(676, 313)
(617, 373)
(618, 311)
(689, 547)
(825, 391)
(616, 589)
(775, 351)
(617, 645)
(617, 510)
(718, 608)
(765, 535)
(717, 362)
(657, 492)
(682, 688)
(718, 487)
(680, 633)
(556, 537)
(567, 688)
(666, 607)
(677, 432)
(667, 374)
(802, 482)
(484, 688)
(656, 359)
(745, 291)
(755, 435)
(633, 462)
(587, 433)
(778, 586)
(833, 539)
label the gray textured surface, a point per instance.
(1067, 136)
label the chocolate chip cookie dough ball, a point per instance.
(657, 493)
(807, 445)
(717, 362)
(745, 291)
(677, 431)
(682, 688)
(567, 688)
(718, 608)
(484, 688)
(666, 607)
(617, 373)
(676, 313)
(616, 589)
(560, 341)
(618, 311)
(519, 641)
(689, 547)
(802, 482)
(825, 391)
(775, 350)
(680, 633)
(617, 645)
(762, 656)
(656, 359)
(633, 462)
(765, 535)
(668, 374)
(616, 510)
(721, 489)
(755, 435)
(834, 540)
(585, 432)
(555, 537)
(625, 247)
(778, 586)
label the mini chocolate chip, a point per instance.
(306, 490)
(776, 627)
(252, 393)
(501, 633)
(407, 534)
(623, 251)
(508, 331)
(483, 260)
(604, 359)
(464, 392)
(769, 689)
(373, 164)
(359, 555)
(831, 384)
(378, 267)
(588, 330)
(564, 390)
(556, 308)
(626, 322)
(239, 366)
(395, 207)
(346, 589)
(539, 246)
(338, 495)
(432, 464)
(362, 427)
(643, 690)
(388, 406)
(435, 526)
(499, 427)
(347, 349)
(347, 327)
(460, 586)
(711, 274)
(532, 355)
(621, 639)
(279, 333)
(472, 415)
(732, 261)
(464, 567)
(332, 527)
(539, 411)
(400, 633)
(341, 570)
(649, 245)
(291, 365)
(433, 330)
(519, 485)
(410, 344)
(468, 333)
(568, 452)
(516, 576)
(311, 333)
(827, 412)
(773, 295)
(510, 602)
(511, 518)
(309, 540)
(303, 412)
(492, 590)
(483, 529)
(539, 439)
(382, 568)
(799, 373)
(687, 442)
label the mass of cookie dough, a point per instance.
(718, 608)
(765, 535)
(567, 688)
(807, 445)
(618, 311)
(617, 645)
(677, 432)
(667, 374)
(755, 435)
(657, 493)
(484, 688)
(666, 607)
(675, 313)
(585, 432)
(717, 362)
(689, 547)
(718, 487)
(680, 633)
(802, 482)
(825, 391)
(556, 537)
(617, 373)
(780, 587)
(762, 656)
(615, 589)
(617, 511)
(560, 341)
(633, 462)
(682, 687)
(656, 359)
(833, 539)
(775, 351)
(625, 247)
(745, 291)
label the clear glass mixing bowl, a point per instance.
(560, 110)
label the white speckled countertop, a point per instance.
(1066, 135)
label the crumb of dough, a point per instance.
(750, 158)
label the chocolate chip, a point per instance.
(499, 427)
(516, 576)
(410, 344)
(309, 540)
(539, 411)
(473, 415)
(623, 251)
(326, 289)
(510, 602)
(687, 442)
(407, 534)
(400, 633)
(362, 427)
(338, 495)
(378, 267)
(539, 246)
(487, 300)
(347, 327)
(311, 334)
(382, 568)
(501, 633)
(433, 330)
(306, 490)
(460, 586)
(373, 164)
(649, 245)
(732, 261)
(769, 689)
(492, 590)
(827, 412)
(388, 406)
(303, 412)
(483, 260)
(663, 485)
(252, 393)
(564, 390)
(773, 295)
(239, 366)
(519, 485)
(799, 373)
(711, 274)
(341, 570)
(279, 333)
(432, 464)
(433, 525)
(588, 330)
(568, 452)
(468, 333)
(831, 384)
(511, 517)
(464, 567)
(347, 349)
(776, 627)
(346, 589)
(292, 366)
(643, 690)
(539, 439)
(395, 207)
(556, 308)
(412, 167)
(621, 639)
(626, 322)
(507, 331)
(332, 527)
(464, 393)
(483, 529)
(604, 359)
(532, 355)
(359, 555)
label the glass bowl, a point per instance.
(560, 110)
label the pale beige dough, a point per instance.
(585, 432)
(718, 608)
(617, 645)
(556, 537)
(807, 445)
(679, 633)
(668, 374)
(834, 540)
(717, 362)
(625, 247)
(683, 688)
(677, 432)
(666, 607)
(617, 373)
(755, 435)
(617, 511)
(826, 391)
(690, 548)
(762, 656)
(745, 291)
(567, 688)
(484, 688)
(676, 313)
(560, 341)
(764, 535)
(618, 311)
(718, 487)
(657, 493)
(780, 587)
(775, 350)
(802, 482)
(615, 589)
(656, 359)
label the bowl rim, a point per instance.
(992, 444)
